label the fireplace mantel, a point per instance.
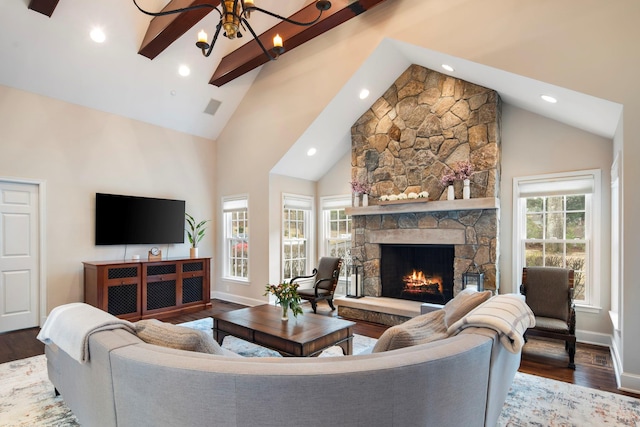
(418, 205)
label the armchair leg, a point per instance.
(572, 353)
(330, 301)
(314, 305)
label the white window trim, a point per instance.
(593, 268)
(297, 201)
(237, 201)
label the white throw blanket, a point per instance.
(507, 314)
(69, 327)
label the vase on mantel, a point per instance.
(365, 199)
(466, 190)
(356, 200)
(193, 252)
(285, 312)
(451, 195)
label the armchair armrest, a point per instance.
(313, 274)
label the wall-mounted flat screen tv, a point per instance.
(124, 220)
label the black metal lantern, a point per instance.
(473, 278)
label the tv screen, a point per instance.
(122, 220)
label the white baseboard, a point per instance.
(617, 362)
(595, 338)
(630, 383)
(237, 299)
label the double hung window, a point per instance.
(336, 240)
(296, 235)
(556, 226)
(236, 236)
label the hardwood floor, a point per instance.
(545, 358)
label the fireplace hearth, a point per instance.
(417, 272)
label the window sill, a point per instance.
(237, 280)
(588, 309)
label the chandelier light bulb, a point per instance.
(202, 36)
(277, 41)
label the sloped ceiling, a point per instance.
(55, 57)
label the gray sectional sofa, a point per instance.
(461, 380)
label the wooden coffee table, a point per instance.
(307, 335)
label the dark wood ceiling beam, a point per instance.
(164, 30)
(45, 7)
(250, 56)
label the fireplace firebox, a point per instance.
(417, 272)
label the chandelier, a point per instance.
(234, 17)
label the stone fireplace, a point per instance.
(423, 125)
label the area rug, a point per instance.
(27, 398)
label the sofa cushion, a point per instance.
(419, 330)
(153, 331)
(463, 303)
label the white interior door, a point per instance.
(19, 257)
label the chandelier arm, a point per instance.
(255, 36)
(291, 21)
(213, 42)
(183, 9)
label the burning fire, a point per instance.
(417, 282)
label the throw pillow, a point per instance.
(419, 330)
(463, 303)
(153, 331)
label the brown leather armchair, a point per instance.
(548, 292)
(326, 280)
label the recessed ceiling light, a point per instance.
(184, 71)
(311, 152)
(448, 67)
(364, 93)
(97, 35)
(549, 98)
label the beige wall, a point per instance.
(535, 145)
(77, 152)
(551, 41)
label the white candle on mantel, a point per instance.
(202, 36)
(277, 41)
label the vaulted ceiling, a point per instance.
(45, 49)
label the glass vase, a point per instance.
(285, 312)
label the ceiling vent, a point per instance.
(212, 107)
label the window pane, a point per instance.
(533, 254)
(534, 226)
(575, 225)
(555, 226)
(535, 204)
(554, 255)
(575, 203)
(555, 204)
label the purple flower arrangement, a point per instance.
(359, 187)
